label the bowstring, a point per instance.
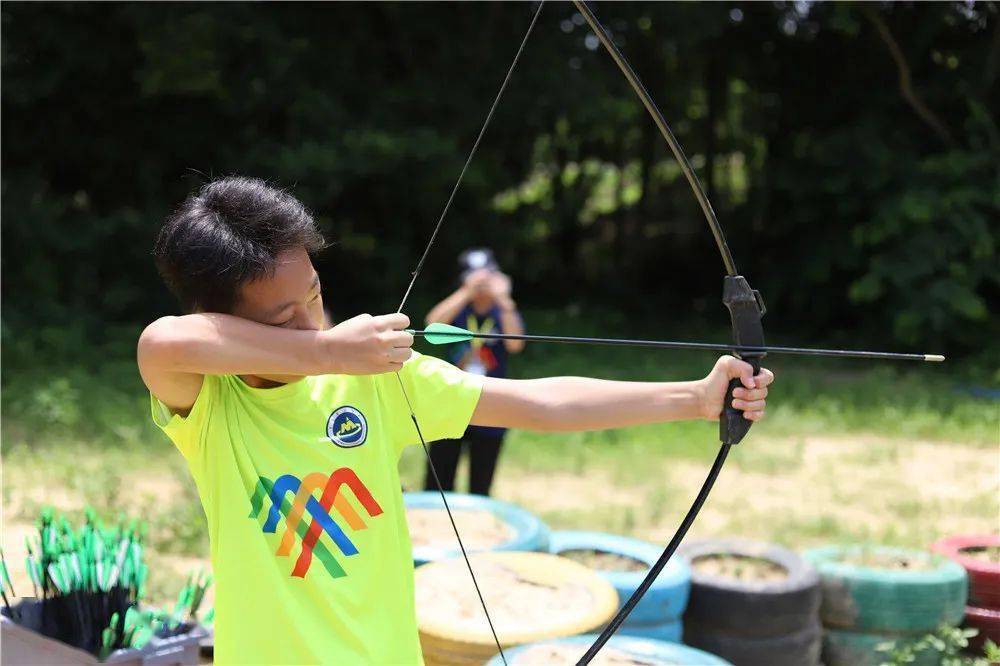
(468, 160)
(406, 295)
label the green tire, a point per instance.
(890, 601)
(847, 648)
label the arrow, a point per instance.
(444, 334)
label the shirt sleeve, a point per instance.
(442, 397)
(188, 432)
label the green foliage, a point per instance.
(857, 217)
(934, 245)
(68, 384)
(943, 647)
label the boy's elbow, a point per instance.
(525, 404)
(545, 414)
(158, 343)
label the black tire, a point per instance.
(801, 648)
(752, 609)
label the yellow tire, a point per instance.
(531, 597)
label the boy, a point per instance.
(292, 432)
(482, 304)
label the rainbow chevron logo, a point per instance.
(303, 501)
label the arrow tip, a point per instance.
(934, 358)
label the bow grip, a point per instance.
(733, 426)
(746, 307)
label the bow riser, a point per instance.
(746, 308)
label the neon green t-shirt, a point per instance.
(300, 486)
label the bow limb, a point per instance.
(745, 311)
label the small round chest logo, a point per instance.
(347, 427)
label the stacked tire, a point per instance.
(983, 610)
(658, 614)
(866, 604)
(754, 622)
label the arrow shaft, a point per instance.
(703, 346)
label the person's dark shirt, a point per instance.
(481, 357)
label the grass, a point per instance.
(850, 451)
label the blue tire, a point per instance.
(530, 533)
(666, 599)
(668, 632)
(641, 648)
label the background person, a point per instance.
(482, 304)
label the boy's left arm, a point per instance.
(580, 403)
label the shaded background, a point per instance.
(851, 152)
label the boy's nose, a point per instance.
(304, 321)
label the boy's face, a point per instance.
(291, 298)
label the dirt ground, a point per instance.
(817, 489)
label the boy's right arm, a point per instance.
(175, 353)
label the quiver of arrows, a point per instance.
(88, 583)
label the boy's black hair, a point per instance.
(227, 235)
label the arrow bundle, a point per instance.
(188, 602)
(89, 581)
(5, 583)
(139, 627)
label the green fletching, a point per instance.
(445, 334)
(29, 564)
(56, 577)
(131, 617)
